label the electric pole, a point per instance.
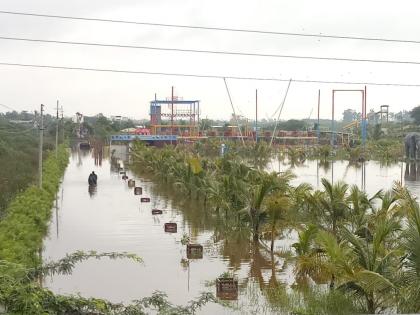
(172, 114)
(62, 122)
(56, 134)
(256, 116)
(41, 135)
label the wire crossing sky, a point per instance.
(221, 52)
(112, 56)
(205, 76)
(213, 28)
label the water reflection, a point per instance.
(92, 189)
(80, 153)
(412, 171)
(370, 176)
(98, 150)
(56, 213)
(234, 245)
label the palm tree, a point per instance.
(364, 266)
(310, 259)
(277, 207)
(215, 194)
(330, 206)
(410, 277)
(265, 185)
(360, 208)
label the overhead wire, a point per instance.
(281, 109)
(234, 112)
(200, 51)
(8, 107)
(214, 28)
(207, 76)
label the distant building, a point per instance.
(119, 118)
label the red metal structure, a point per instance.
(175, 116)
(363, 113)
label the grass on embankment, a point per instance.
(25, 223)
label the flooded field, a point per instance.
(371, 175)
(112, 218)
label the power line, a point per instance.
(212, 28)
(206, 76)
(221, 52)
(8, 107)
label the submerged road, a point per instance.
(113, 219)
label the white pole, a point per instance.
(56, 134)
(41, 135)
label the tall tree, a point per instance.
(415, 114)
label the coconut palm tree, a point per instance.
(409, 298)
(361, 207)
(310, 261)
(266, 184)
(329, 207)
(277, 207)
(364, 266)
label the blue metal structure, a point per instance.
(177, 110)
(151, 139)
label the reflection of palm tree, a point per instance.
(325, 165)
(296, 157)
(258, 263)
(235, 244)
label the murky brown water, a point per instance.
(113, 219)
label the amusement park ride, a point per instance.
(175, 119)
(175, 116)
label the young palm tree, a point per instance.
(409, 298)
(310, 262)
(266, 185)
(364, 266)
(360, 208)
(276, 209)
(330, 206)
(215, 194)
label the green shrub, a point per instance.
(26, 218)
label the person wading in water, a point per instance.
(93, 179)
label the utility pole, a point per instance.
(256, 116)
(41, 135)
(319, 104)
(172, 114)
(62, 123)
(56, 134)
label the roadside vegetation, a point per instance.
(26, 219)
(19, 159)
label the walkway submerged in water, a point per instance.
(112, 218)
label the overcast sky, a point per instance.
(129, 94)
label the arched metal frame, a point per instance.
(363, 124)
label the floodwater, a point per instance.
(371, 176)
(112, 218)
